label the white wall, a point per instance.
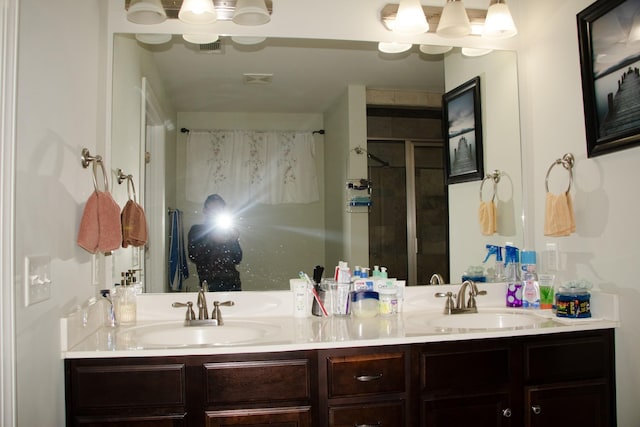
(604, 248)
(61, 88)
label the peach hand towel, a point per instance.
(559, 218)
(134, 225)
(487, 218)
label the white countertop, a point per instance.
(83, 336)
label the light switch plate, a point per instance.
(37, 279)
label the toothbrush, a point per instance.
(305, 276)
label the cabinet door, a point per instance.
(274, 417)
(578, 404)
(491, 410)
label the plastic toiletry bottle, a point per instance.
(498, 269)
(125, 301)
(512, 277)
(530, 285)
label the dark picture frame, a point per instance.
(462, 130)
(610, 72)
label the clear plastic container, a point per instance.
(365, 303)
(388, 305)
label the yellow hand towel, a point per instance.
(559, 218)
(487, 218)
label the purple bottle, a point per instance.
(512, 273)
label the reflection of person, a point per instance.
(214, 247)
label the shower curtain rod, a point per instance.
(320, 131)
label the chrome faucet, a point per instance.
(470, 306)
(202, 302)
(216, 314)
(436, 279)
(460, 307)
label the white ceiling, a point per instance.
(308, 75)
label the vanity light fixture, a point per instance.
(197, 12)
(248, 40)
(146, 12)
(410, 18)
(251, 12)
(454, 21)
(499, 23)
(474, 51)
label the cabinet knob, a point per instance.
(536, 409)
(506, 413)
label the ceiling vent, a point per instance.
(215, 47)
(257, 78)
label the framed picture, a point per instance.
(609, 40)
(462, 127)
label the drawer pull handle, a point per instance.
(506, 413)
(368, 378)
(378, 424)
(536, 409)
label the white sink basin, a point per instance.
(483, 321)
(174, 334)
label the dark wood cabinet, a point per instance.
(529, 381)
(537, 380)
(364, 386)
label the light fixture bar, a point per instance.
(433, 13)
(224, 8)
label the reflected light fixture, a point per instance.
(197, 12)
(200, 38)
(251, 12)
(475, 51)
(454, 21)
(431, 49)
(410, 18)
(499, 23)
(248, 40)
(146, 12)
(393, 47)
(149, 38)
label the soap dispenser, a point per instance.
(125, 301)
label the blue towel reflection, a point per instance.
(178, 268)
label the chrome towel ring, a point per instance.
(130, 187)
(567, 162)
(493, 176)
(86, 159)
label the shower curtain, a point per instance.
(270, 167)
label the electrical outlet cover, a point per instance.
(37, 279)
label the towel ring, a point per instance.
(87, 159)
(495, 177)
(130, 187)
(567, 162)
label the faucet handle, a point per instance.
(190, 314)
(216, 314)
(449, 304)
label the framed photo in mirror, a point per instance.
(609, 42)
(462, 128)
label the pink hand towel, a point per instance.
(88, 234)
(110, 227)
(134, 225)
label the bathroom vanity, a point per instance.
(346, 372)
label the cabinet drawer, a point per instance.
(359, 375)
(388, 414)
(128, 384)
(260, 381)
(568, 357)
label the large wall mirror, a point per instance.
(302, 85)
